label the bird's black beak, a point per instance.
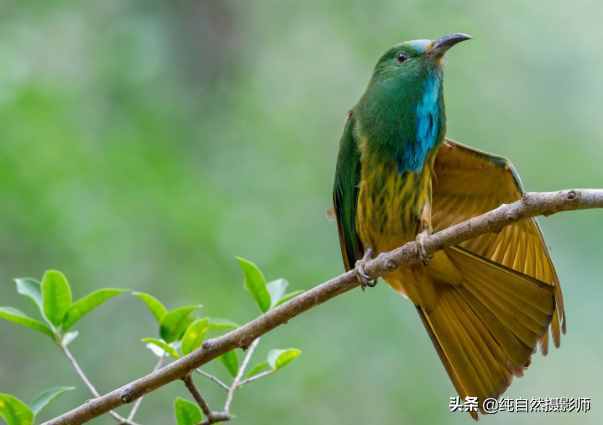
(442, 44)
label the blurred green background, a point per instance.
(144, 144)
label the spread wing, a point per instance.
(345, 196)
(468, 183)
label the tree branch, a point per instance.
(532, 204)
(212, 417)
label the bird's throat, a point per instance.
(403, 123)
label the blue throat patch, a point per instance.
(427, 128)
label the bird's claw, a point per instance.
(361, 274)
(423, 255)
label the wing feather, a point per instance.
(345, 196)
(468, 183)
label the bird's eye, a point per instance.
(401, 57)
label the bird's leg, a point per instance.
(425, 230)
(361, 275)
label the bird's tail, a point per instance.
(486, 328)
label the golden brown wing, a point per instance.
(468, 183)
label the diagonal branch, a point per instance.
(79, 370)
(192, 388)
(532, 204)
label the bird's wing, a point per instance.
(345, 196)
(468, 183)
(486, 329)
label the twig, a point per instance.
(79, 370)
(192, 388)
(139, 401)
(237, 381)
(212, 378)
(212, 417)
(216, 417)
(256, 377)
(532, 204)
(120, 419)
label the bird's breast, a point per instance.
(390, 203)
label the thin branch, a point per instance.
(256, 377)
(532, 204)
(120, 419)
(139, 401)
(216, 417)
(79, 370)
(237, 381)
(212, 417)
(213, 379)
(192, 388)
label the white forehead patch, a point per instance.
(420, 46)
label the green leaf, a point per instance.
(69, 337)
(187, 412)
(258, 368)
(255, 282)
(231, 362)
(175, 322)
(278, 359)
(14, 411)
(30, 288)
(20, 318)
(221, 325)
(287, 297)
(276, 289)
(155, 306)
(56, 296)
(164, 346)
(88, 303)
(43, 399)
(193, 336)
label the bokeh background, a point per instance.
(145, 143)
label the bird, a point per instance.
(487, 303)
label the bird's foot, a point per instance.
(423, 255)
(361, 274)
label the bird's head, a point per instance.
(411, 61)
(403, 104)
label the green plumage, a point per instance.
(345, 195)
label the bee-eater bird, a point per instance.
(486, 303)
